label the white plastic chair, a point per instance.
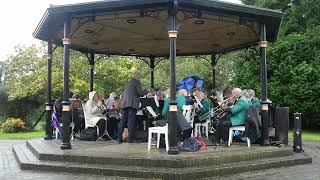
(239, 128)
(188, 112)
(158, 131)
(202, 125)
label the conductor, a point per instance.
(131, 101)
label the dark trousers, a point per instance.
(102, 126)
(112, 126)
(128, 117)
(186, 134)
(78, 119)
(222, 131)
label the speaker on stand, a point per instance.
(281, 121)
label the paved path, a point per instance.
(301, 172)
(10, 170)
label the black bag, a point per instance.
(89, 134)
(141, 136)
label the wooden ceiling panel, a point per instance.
(130, 33)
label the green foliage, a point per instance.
(13, 125)
(299, 14)
(25, 73)
(293, 71)
(296, 72)
(293, 61)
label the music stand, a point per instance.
(148, 102)
(106, 129)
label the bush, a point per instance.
(13, 125)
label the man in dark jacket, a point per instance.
(131, 102)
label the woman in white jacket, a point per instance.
(93, 110)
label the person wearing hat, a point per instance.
(113, 113)
(93, 110)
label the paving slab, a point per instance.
(9, 168)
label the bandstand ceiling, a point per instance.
(136, 27)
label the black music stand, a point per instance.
(106, 129)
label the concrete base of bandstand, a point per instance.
(134, 160)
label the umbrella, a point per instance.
(189, 83)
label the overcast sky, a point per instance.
(19, 18)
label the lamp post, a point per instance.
(66, 103)
(49, 108)
(265, 102)
(173, 108)
(213, 67)
(152, 66)
(91, 70)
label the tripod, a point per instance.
(106, 133)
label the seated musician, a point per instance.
(77, 113)
(113, 113)
(182, 124)
(237, 113)
(93, 110)
(239, 110)
(213, 99)
(160, 96)
(189, 99)
(202, 113)
(58, 107)
(254, 100)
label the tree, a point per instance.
(293, 60)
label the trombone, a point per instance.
(222, 105)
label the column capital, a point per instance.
(65, 106)
(264, 107)
(66, 41)
(263, 44)
(49, 56)
(48, 107)
(173, 34)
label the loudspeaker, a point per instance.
(297, 137)
(281, 120)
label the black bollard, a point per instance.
(297, 138)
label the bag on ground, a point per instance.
(193, 144)
(89, 134)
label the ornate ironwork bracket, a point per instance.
(157, 60)
(82, 21)
(250, 25)
(209, 59)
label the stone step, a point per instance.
(48, 150)
(28, 161)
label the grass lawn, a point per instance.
(307, 135)
(23, 135)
